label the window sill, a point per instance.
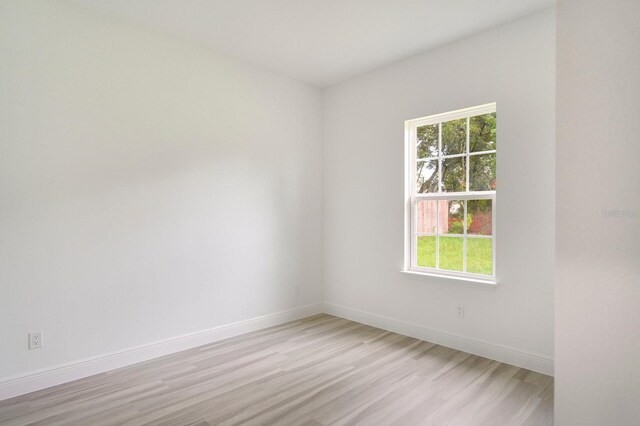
(485, 282)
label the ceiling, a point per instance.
(320, 42)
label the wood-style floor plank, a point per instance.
(320, 370)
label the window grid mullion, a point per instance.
(414, 232)
(439, 157)
(464, 241)
(427, 234)
(437, 236)
(491, 151)
(445, 157)
(467, 165)
(439, 191)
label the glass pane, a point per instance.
(426, 216)
(450, 253)
(427, 176)
(454, 174)
(426, 253)
(479, 217)
(482, 172)
(454, 137)
(427, 141)
(480, 255)
(451, 217)
(482, 132)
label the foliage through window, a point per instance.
(451, 193)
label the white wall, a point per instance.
(598, 256)
(148, 188)
(512, 65)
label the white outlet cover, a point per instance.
(35, 340)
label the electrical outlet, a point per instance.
(35, 340)
(460, 311)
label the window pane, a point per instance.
(482, 172)
(451, 217)
(427, 141)
(426, 216)
(482, 132)
(427, 176)
(454, 174)
(426, 253)
(480, 255)
(450, 253)
(454, 137)
(479, 217)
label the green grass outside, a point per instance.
(479, 254)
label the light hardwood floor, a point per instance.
(321, 370)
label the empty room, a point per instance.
(320, 212)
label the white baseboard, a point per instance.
(41, 379)
(507, 355)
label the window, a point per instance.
(451, 193)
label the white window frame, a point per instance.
(412, 196)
